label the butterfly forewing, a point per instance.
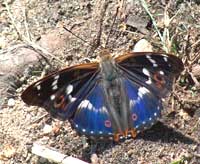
(40, 91)
(152, 70)
(60, 88)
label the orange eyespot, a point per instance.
(160, 81)
(59, 102)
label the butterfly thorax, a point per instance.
(107, 65)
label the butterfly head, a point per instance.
(105, 54)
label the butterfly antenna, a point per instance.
(107, 40)
(77, 36)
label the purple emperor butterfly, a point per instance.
(114, 99)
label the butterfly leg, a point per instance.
(125, 134)
(116, 137)
(133, 133)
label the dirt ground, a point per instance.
(173, 140)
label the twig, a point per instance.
(197, 84)
(172, 100)
(54, 156)
(38, 119)
(13, 21)
(12, 48)
(25, 21)
(44, 52)
(197, 57)
(97, 40)
(165, 37)
(85, 41)
(115, 17)
(194, 101)
(197, 155)
(102, 15)
(194, 44)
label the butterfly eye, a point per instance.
(59, 102)
(159, 79)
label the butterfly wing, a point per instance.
(155, 71)
(145, 107)
(61, 92)
(149, 77)
(92, 117)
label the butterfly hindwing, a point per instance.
(92, 117)
(145, 107)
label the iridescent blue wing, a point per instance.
(92, 117)
(145, 107)
(61, 92)
(149, 77)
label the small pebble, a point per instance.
(43, 160)
(143, 46)
(11, 102)
(94, 159)
(47, 129)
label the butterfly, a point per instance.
(114, 99)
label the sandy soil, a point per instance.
(174, 139)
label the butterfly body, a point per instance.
(115, 96)
(113, 99)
